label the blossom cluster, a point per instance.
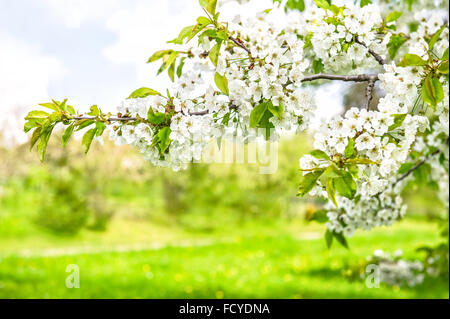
(395, 271)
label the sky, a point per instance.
(90, 51)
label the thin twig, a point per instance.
(241, 45)
(412, 169)
(347, 78)
(377, 57)
(369, 90)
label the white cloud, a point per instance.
(76, 12)
(24, 81)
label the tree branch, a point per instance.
(412, 169)
(369, 90)
(377, 57)
(240, 44)
(346, 78)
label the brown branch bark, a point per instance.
(377, 57)
(346, 78)
(241, 45)
(412, 169)
(369, 91)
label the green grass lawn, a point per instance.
(255, 261)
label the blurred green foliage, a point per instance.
(218, 214)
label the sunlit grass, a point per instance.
(276, 263)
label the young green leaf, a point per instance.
(36, 115)
(341, 239)
(443, 67)
(331, 191)
(156, 118)
(345, 185)
(395, 42)
(214, 53)
(412, 60)
(322, 4)
(184, 33)
(222, 83)
(159, 54)
(209, 5)
(257, 114)
(435, 37)
(94, 110)
(35, 137)
(67, 134)
(143, 92)
(392, 16)
(432, 91)
(308, 182)
(163, 139)
(350, 148)
(87, 139)
(276, 110)
(319, 154)
(43, 141)
(364, 3)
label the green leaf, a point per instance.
(167, 61)
(257, 114)
(332, 171)
(322, 4)
(318, 66)
(163, 139)
(308, 182)
(171, 72)
(156, 118)
(214, 53)
(222, 83)
(361, 161)
(364, 3)
(405, 167)
(328, 238)
(350, 148)
(412, 60)
(100, 128)
(392, 16)
(276, 110)
(319, 216)
(143, 92)
(180, 67)
(35, 137)
(184, 33)
(432, 91)
(159, 54)
(398, 121)
(30, 124)
(67, 134)
(94, 110)
(209, 5)
(320, 155)
(331, 191)
(435, 38)
(87, 139)
(395, 42)
(341, 239)
(37, 115)
(445, 55)
(83, 124)
(43, 141)
(443, 67)
(345, 185)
